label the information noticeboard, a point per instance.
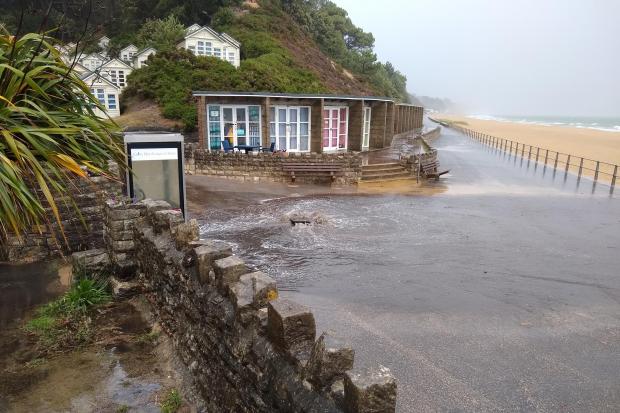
(156, 164)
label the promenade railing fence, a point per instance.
(581, 166)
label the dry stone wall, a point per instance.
(248, 349)
(82, 232)
(268, 166)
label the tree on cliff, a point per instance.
(49, 132)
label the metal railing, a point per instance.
(582, 166)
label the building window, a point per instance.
(208, 49)
(111, 101)
(192, 48)
(217, 52)
(215, 131)
(100, 95)
(231, 57)
(121, 78)
(335, 127)
(201, 48)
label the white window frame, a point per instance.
(246, 122)
(274, 122)
(366, 127)
(112, 95)
(217, 52)
(337, 148)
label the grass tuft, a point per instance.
(172, 402)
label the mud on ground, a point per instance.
(127, 366)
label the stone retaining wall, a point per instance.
(268, 166)
(247, 349)
(81, 232)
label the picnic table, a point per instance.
(247, 148)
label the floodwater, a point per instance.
(118, 371)
(25, 286)
(500, 292)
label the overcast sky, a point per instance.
(525, 57)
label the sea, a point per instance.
(611, 124)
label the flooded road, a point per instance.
(500, 293)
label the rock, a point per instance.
(95, 260)
(185, 233)
(291, 326)
(166, 219)
(255, 289)
(372, 390)
(328, 361)
(228, 270)
(206, 254)
(124, 289)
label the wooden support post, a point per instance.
(567, 163)
(613, 179)
(522, 150)
(537, 152)
(555, 164)
(529, 153)
(596, 171)
(546, 156)
(580, 167)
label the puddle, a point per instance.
(25, 286)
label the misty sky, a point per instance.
(519, 57)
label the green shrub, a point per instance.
(172, 402)
(64, 322)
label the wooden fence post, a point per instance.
(567, 163)
(580, 167)
(555, 164)
(613, 179)
(596, 171)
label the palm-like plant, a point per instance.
(49, 134)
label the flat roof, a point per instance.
(289, 95)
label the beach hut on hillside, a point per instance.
(105, 91)
(204, 41)
(116, 71)
(142, 56)
(128, 52)
(92, 61)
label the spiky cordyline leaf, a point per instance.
(49, 132)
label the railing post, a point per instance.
(555, 164)
(580, 167)
(596, 171)
(567, 163)
(537, 152)
(529, 153)
(522, 150)
(613, 179)
(546, 156)
(511, 147)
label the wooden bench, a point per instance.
(322, 169)
(430, 169)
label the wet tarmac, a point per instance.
(500, 292)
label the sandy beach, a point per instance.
(579, 142)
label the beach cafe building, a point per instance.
(253, 121)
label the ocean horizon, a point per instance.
(609, 124)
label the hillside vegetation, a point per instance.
(293, 46)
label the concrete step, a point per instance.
(375, 166)
(386, 169)
(387, 175)
(372, 181)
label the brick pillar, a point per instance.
(377, 125)
(265, 104)
(316, 133)
(389, 123)
(356, 125)
(202, 121)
